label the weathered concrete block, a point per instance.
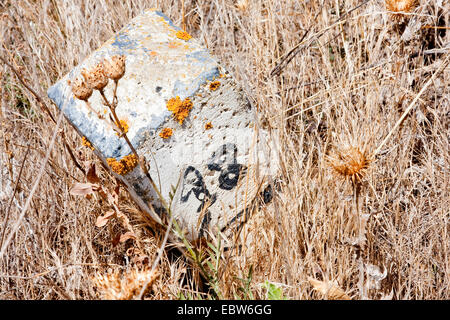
(184, 113)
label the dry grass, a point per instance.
(348, 87)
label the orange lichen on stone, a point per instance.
(125, 165)
(173, 44)
(86, 143)
(124, 125)
(183, 35)
(166, 133)
(180, 109)
(208, 125)
(214, 85)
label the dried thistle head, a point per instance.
(95, 76)
(242, 5)
(126, 286)
(81, 90)
(349, 162)
(400, 7)
(115, 67)
(329, 289)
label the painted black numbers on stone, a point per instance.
(224, 161)
(194, 183)
(193, 179)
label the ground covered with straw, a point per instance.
(359, 98)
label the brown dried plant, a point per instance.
(114, 68)
(81, 90)
(95, 77)
(329, 290)
(398, 8)
(242, 5)
(126, 285)
(93, 186)
(350, 162)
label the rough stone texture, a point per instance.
(212, 170)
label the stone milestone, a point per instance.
(183, 112)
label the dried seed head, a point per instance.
(242, 5)
(329, 289)
(400, 6)
(349, 162)
(95, 77)
(124, 285)
(81, 90)
(115, 67)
